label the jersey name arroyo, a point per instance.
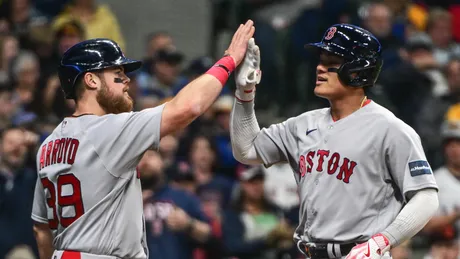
(61, 150)
(332, 163)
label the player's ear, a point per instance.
(91, 80)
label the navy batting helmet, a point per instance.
(360, 49)
(91, 55)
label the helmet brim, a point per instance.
(331, 48)
(130, 65)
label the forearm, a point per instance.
(196, 97)
(413, 217)
(200, 231)
(243, 131)
(44, 239)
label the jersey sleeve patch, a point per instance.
(419, 167)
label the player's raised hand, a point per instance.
(239, 44)
(248, 74)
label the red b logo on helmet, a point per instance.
(330, 33)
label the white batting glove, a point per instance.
(374, 248)
(248, 73)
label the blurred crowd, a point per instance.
(247, 212)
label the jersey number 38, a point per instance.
(74, 200)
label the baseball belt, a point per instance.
(324, 250)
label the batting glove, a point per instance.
(248, 73)
(374, 248)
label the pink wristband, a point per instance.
(222, 69)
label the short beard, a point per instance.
(113, 104)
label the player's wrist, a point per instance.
(222, 69)
(382, 242)
(245, 95)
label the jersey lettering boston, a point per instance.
(331, 164)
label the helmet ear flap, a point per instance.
(68, 76)
(359, 72)
(344, 73)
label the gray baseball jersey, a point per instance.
(88, 190)
(352, 175)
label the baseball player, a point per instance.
(363, 179)
(88, 201)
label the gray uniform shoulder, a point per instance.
(90, 123)
(312, 114)
(387, 120)
(308, 116)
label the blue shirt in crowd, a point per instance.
(163, 242)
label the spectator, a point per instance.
(408, 17)
(168, 149)
(17, 182)
(26, 72)
(439, 27)
(155, 42)
(408, 85)
(252, 227)
(402, 251)
(51, 98)
(447, 178)
(68, 34)
(165, 80)
(433, 113)
(42, 39)
(7, 108)
(377, 18)
(175, 224)
(203, 161)
(222, 108)
(158, 41)
(98, 20)
(4, 26)
(9, 49)
(22, 16)
(182, 177)
(444, 244)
